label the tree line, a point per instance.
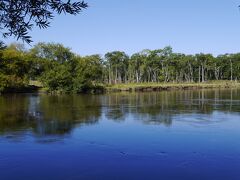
(59, 69)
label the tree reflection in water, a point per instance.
(47, 115)
(164, 107)
(57, 116)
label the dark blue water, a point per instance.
(165, 135)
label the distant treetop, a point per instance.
(17, 17)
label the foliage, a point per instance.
(60, 70)
(53, 52)
(17, 17)
(88, 73)
(13, 68)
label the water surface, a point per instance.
(159, 135)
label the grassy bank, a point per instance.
(135, 87)
(36, 86)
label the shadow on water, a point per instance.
(57, 116)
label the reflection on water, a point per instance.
(159, 135)
(46, 115)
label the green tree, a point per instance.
(14, 68)
(52, 51)
(117, 66)
(88, 73)
(58, 78)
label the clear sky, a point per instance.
(189, 26)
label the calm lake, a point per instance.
(157, 135)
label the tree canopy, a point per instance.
(17, 17)
(57, 68)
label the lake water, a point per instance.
(158, 135)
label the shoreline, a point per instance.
(151, 87)
(135, 87)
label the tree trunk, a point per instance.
(199, 74)
(203, 79)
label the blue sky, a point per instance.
(189, 26)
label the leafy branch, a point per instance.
(17, 17)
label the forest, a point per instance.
(58, 69)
